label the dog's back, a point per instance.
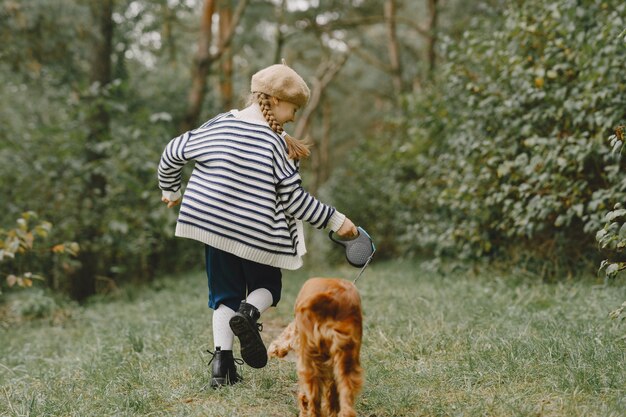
(329, 310)
(329, 328)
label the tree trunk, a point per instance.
(280, 37)
(83, 280)
(324, 75)
(432, 40)
(320, 158)
(323, 171)
(200, 70)
(392, 46)
(102, 12)
(167, 35)
(226, 76)
(204, 59)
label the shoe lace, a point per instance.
(210, 352)
(238, 361)
(259, 326)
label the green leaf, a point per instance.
(612, 269)
(612, 215)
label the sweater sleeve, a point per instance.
(303, 206)
(296, 200)
(171, 165)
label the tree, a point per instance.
(393, 47)
(83, 281)
(205, 58)
(325, 73)
(226, 69)
(90, 98)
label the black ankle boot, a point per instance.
(245, 327)
(223, 371)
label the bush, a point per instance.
(21, 251)
(131, 231)
(612, 237)
(506, 156)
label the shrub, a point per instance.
(21, 251)
(506, 156)
(612, 237)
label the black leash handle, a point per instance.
(360, 250)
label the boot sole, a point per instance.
(253, 350)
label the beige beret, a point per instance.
(281, 82)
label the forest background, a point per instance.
(459, 132)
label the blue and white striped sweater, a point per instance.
(244, 195)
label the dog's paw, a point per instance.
(275, 350)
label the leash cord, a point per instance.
(363, 269)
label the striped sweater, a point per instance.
(244, 195)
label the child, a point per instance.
(245, 202)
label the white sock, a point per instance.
(222, 333)
(261, 298)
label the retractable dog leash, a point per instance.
(359, 251)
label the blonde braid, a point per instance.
(264, 102)
(295, 149)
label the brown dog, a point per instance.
(326, 335)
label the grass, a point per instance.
(434, 345)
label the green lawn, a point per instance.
(452, 345)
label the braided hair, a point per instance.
(296, 149)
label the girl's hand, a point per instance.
(169, 203)
(347, 230)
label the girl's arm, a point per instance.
(170, 169)
(303, 206)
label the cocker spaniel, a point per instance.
(326, 336)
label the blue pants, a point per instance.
(231, 278)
